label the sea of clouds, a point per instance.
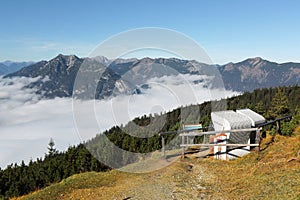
(27, 121)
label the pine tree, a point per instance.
(289, 127)
(279, 105)
(51, 149)
(259, 108)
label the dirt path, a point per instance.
(181, 180)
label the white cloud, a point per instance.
(13, 92)
(27, 122)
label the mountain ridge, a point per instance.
(127, 74)
(254, 73)
(8, 66)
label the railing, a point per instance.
(186, 134)
(163, 134)
(186, 142)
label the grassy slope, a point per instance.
(167, 183)
(272, 174)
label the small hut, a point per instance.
(230, 120)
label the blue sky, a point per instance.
(229, 30)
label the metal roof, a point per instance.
(236, 120)
(253, 116)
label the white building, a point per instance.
(228, 120)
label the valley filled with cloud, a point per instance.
(28, 121)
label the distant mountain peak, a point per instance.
(101, 59)
(124, 60)
(65, 57)
(65, 60)
(255, 61)
(146, 60)
(257, 72)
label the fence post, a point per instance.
(163, 146)
(257, 140)
(278, 127)
(182, 142)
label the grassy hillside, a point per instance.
(273, 174)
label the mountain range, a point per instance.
(256, 73)
(8, 67)
(128, 76)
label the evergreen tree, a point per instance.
(259, 108)
(289, 127)
(279, 105)
(51, 149)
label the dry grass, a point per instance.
(270, 175)
(273, 174)
(173, 182)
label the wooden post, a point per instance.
(257, 140)
(278, 127)
(182, 153)
(183, 143)
(163, 146)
